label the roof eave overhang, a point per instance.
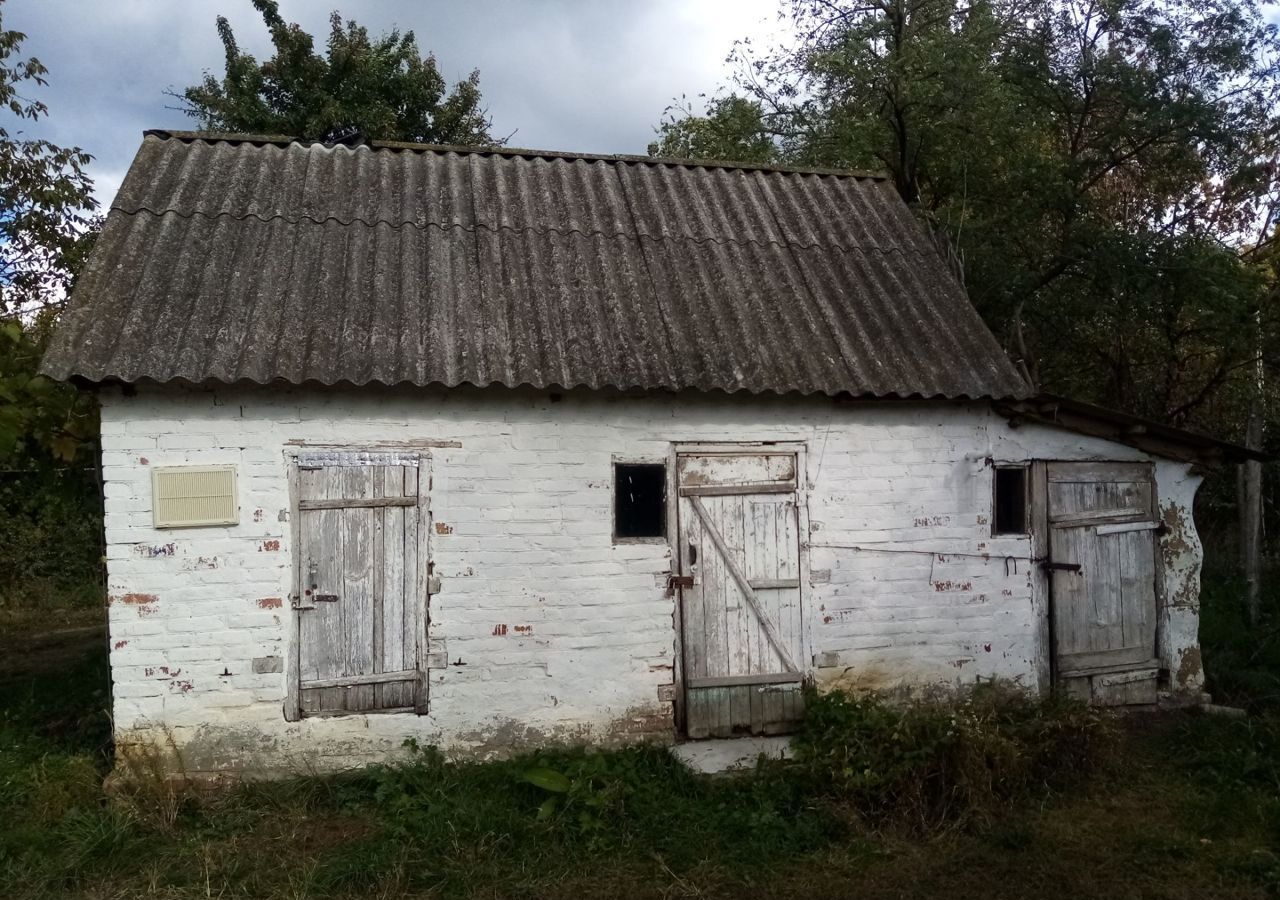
(1124, 428)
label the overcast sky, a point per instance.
(581, 75)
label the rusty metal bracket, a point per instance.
(1059, 567)
(679, 581)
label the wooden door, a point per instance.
(741, 617)
(1102, 549)
(361, 595)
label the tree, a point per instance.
(50, 508)
(1100, 164)
(732, 129)
(46, 199)
(383, 87)
(46, 224)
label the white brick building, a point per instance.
(688, 482)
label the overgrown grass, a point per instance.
(997, 797)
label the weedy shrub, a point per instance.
(1230, 754)
(151, 782)
(929, 764)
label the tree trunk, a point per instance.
(1251, 502)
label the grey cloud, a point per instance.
(556, 74)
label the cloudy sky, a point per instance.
(582, 75)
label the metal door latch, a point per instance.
(1059, 567)
(679, 581)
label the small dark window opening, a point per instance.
(639, 500)
(1011, 501)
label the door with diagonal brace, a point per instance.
(741, 616)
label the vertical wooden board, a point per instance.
(774, 719)
(377, 564)
(757, 537)
(715, 597)
(757, 710)
(412, 603)
(1138, 604)
(320, 628)
(767, 659)
(738, 612)
(359, 600)
(693, 599)
(718, 700)
(419, 583)
(1113, 554)
(791, 622)
(1065, 600)
(293, 697)
(696, 720)
(1040, 540)
(390, 656)
(738, 703)
(309, 701)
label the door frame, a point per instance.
(422, 577)
(1038, 500)
(735, 448)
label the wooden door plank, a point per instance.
(326, 620)
(391, 653)
(358, 542)
(1095, 472)
(359, 680)
(419, 580)
(731, 525)
(787, 547)
(729, 490)
(374, 502)
(753, 678)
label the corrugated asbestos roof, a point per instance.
(230, 259)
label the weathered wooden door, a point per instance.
(1102, 552)
(741, 618)
(360, 602)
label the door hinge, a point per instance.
(296, 602)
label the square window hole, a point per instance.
(639, 500)
(1011, 501)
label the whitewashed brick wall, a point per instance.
(909, 587)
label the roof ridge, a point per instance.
(282, 140)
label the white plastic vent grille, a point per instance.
(190, 496)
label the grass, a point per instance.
(996, 797)
(1193, 810)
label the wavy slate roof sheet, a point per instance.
(230, 259)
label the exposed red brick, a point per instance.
(134, 599)
(271, 602)
(444, 528)
(270, 546)
(499, 630)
